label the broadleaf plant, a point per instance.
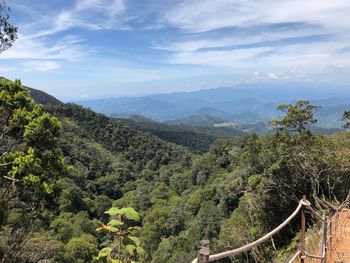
(126, 246)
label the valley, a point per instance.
(187, 182)
(174, 131)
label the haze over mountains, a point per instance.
(251, 103)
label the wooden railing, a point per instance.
(329, 225)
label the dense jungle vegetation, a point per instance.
(62, 166)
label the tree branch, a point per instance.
(5, 164)
(9, 178)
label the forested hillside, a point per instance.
(62, 166)
(196, 138)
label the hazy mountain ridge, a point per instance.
(248, 103)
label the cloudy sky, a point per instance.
(96, 48)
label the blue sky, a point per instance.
(77, 49)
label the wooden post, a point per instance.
(302, 236)
(336, 221)
(203, 253)
(324, 238)
(330, 237)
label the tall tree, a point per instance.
(346, 120)
(297, 117)
(30, 163)
(8, 32)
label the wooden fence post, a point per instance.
(302, 245)
(330, 237)
(324, 238)
(203, 253)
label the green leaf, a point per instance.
(136, 240)
(115, 223)
(113, 211)
(104, 252)
(47, 188)
(131, 249)
(134, 230)
(140, 250)
(113, 229)
(128, 241)
(130, 213)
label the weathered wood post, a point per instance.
(330, 237)
(302, 245)
(324, 238)
(203, 253)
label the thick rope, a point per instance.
(294, 257)
(314, 212)
(314, 256)
(263, 239)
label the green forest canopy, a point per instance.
(63, 166)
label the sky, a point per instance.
(85, 49)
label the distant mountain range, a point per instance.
(197, 132)
(253, 103)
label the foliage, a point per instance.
(30, 161)
(346, 120)
(297, 117)
(8, 32)
(81, 249)
(125, 247)
(197, 139)
(227, 194)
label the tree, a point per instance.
(81, 249)
(346, 120)
(30, 162)
(8, 32)
(42, 247)
(30, 158)
(297, 117)
(298, 162)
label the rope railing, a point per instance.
(205, 257)
(314, 256)
(263, 239)
(328, 225)
(295, 257)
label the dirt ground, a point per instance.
(339, 244)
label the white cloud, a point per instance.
(313, 57)
(83, 94)
(35, 42)
(217, 58)
(68, 48)
(340, 68)
(40, 65)
(238, 38)
(263, 37)
(205, 15)
(213, 37)
(88, 14)
(268, 76)
(137, 74)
